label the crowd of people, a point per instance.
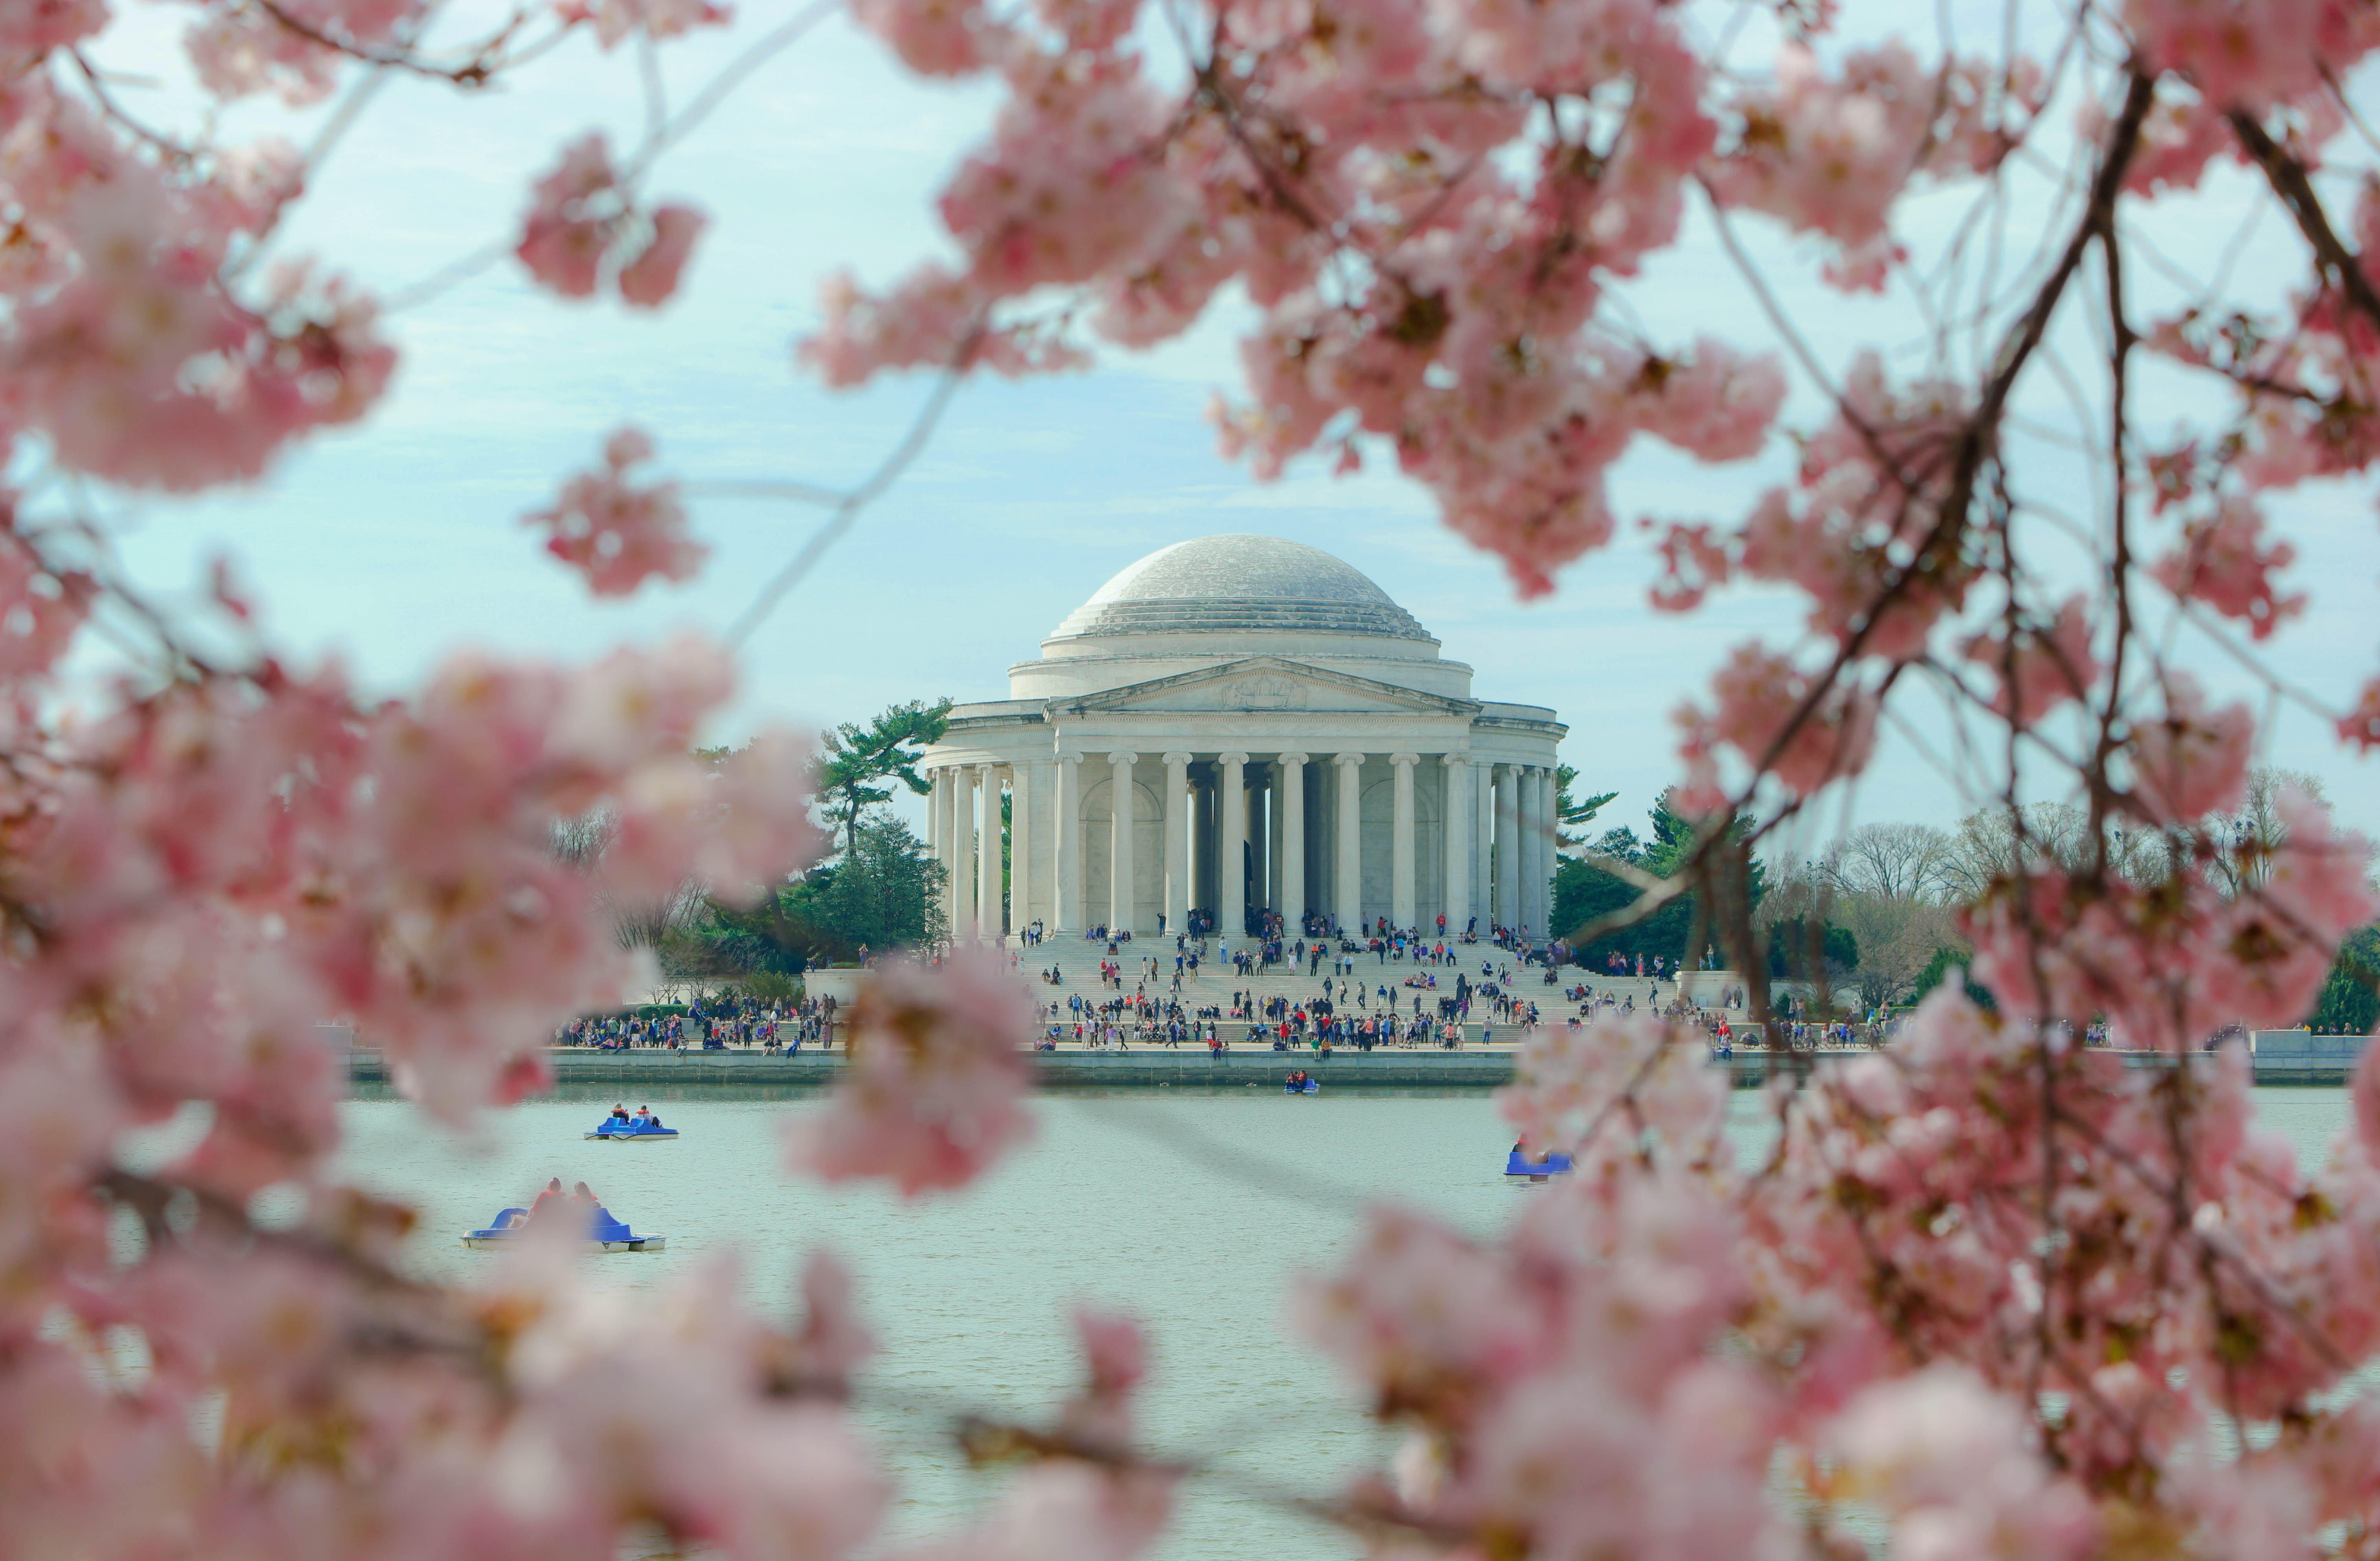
(1155, 1002)
(730, 1021)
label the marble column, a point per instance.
(1177, 842)
(1483, 837)
(1231, 846)
(1530, 806)
(1208, 892)
(1291, 793)
(944, 835)
(1459, 814)
(1022, 787)
(1507, 845)
(989, 890)
(1259, 847)
(1524, 855)
(1347, 890)
(1272, 857)
(1123, 879)
(1068, 910)
(1548, 855)
(1400, 842)
(961, 854)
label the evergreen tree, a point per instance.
(1585, 891)
(1570, 816)
(882, 893)
(2348, 1004)
(858, 759)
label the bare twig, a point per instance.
(848, 509)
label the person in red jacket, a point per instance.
(549, 1201)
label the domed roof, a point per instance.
(1240, 584)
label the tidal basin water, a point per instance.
(1193, 1212)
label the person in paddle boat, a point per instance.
(583, 1201)
(620, 1116)
(548, 1202)
(645, 1118)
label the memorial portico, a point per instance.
(1238, 725)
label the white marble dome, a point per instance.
(1237, 585)
(1238, 724)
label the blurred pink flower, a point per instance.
(934, 1091)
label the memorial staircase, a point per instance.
(1078, 960)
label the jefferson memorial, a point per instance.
(1241, 724)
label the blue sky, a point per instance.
(396, 543)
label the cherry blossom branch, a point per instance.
(1977, 434)
(850, 505)
(720, 88)
(174, 151)
(479, 64)
(2287, 178)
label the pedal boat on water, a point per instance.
(1523, 1169)
(614, 1130)
(604, 1234)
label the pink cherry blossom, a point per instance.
(1947, 1460)
(40, 612)
(2047, 666)
(1096, 1500)
(2234, 54)
(1778, 721)
(1611, 1090)
(650, 279)
(1833, 154)
(1716, 405)
(619, 535)
(934, 1094)
(583, 221)
(568, 230)
(617, 19)
(34, 29)
(834, 1340)
(2226, 561)
(2194, 760)
(2360, 725)
(932, 37)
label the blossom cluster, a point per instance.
(616, 534)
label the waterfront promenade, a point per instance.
(1152, 1067)
(2282, 1058)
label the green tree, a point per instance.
(1620, 843)
(858, 760)
(1574, 815)
(2349, 1003)
(1791, 940)
(1584, 890)
(885, 892)
(1673, 837)
(1937, 970)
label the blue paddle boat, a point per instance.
(1304, 1086)
(1520, 1167)
(604, 1234)
(627, 1130)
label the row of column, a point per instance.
(1499, 868)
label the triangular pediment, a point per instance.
(1266, 682)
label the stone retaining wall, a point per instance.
(2288, 1062)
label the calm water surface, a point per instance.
(1193, 1212)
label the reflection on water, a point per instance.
(1192, 1210)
